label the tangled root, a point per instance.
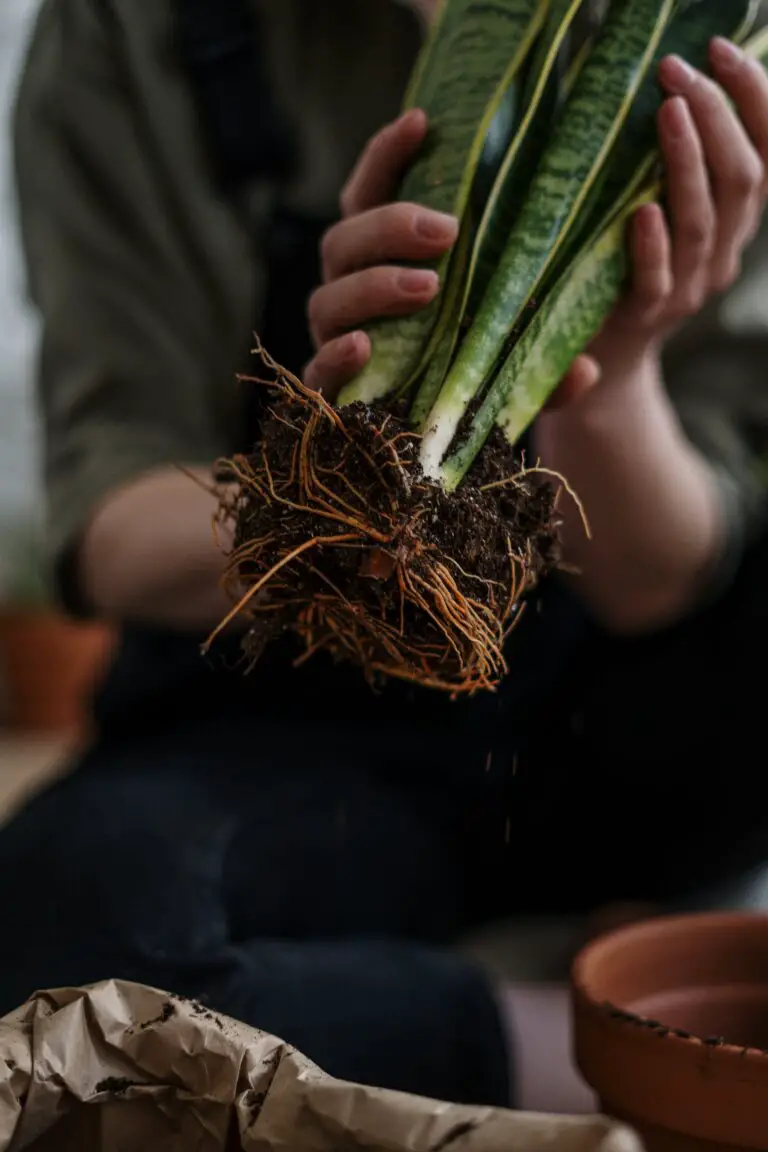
(339, 538)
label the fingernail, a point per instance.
(647, 219)
(417, 282)
(350, 344)
(437, 226)
(678, 76)
(678, 118)
(412, 116)
(725, 54)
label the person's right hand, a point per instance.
(362, 256)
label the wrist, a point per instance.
(149, 553)
(608, 410)
(651, 500)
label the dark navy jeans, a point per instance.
(308, 875)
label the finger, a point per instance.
(403, 232)
(377, 173)
(355, 300)
(736, 171)
(338, 362)
(690, 205)
(746, 82)
(581, 378)
(651, 257)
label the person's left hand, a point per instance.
(716, 158)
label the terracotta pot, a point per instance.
(671, 1029)
(50, 666)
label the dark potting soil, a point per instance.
(117, 1085)
(165, 1013)
(664, 1030)
(353, 549)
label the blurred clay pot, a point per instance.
(671, 1029)
(51, 665)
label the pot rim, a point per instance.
(583, 976)
(646, 1070)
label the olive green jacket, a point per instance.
(150, 283)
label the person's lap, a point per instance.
(313, 897)
(309, 897)
(316, 892)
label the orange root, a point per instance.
(340, 539)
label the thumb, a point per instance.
(581, 378)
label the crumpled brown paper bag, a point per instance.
(118, 1067)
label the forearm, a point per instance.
(652, 502)
(149, 554)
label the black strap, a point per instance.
(247, 134)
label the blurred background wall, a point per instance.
(47, 663)
(18, 447)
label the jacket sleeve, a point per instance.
(145, 280)
(717, 375)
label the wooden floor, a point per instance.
(26, 763)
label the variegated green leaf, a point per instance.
(475, 52)
(570, 167)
